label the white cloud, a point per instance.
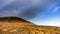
(56, 9)
(50, 22)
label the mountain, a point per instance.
(15, 25)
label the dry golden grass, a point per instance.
(14, 25)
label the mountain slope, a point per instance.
(15, 25)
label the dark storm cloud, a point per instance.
(26, 9)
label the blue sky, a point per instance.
(50, 17)
(40, 12)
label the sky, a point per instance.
(40, 12)
(51, 17)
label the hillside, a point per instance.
(15, 25)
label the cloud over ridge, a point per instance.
(26, 9)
